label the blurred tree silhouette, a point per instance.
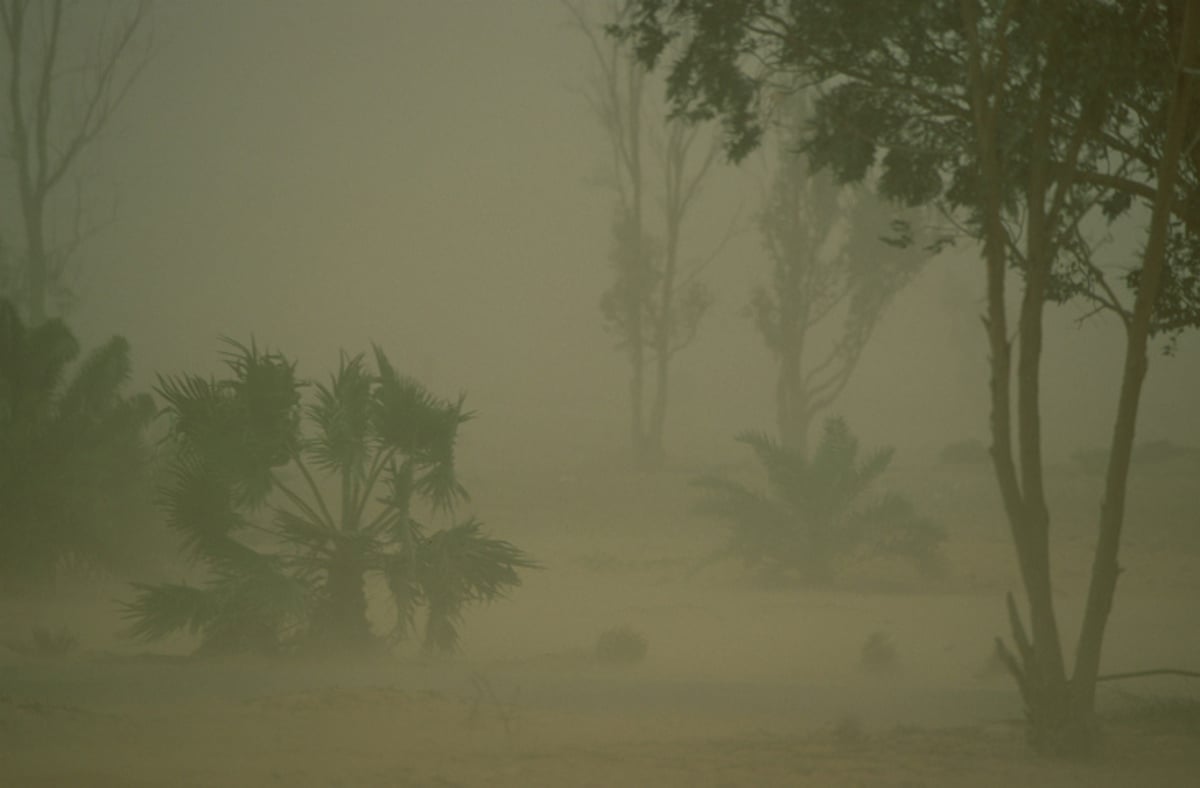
(1027, 125)
(835, 266)
(73, 461)
(818, 513)
(68, 68)
(338, 479)
(657, 299)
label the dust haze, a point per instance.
(427, 176)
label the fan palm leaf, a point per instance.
(341, 414)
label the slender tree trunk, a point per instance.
(666, 314)
(1105, 568)
(791, 404)
(36, 269)
(1038, 666)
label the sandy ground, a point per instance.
(742, 685)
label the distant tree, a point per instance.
(834, 261)
(817, 513)
(67, 68)
(1025, 123)
(656, 302)
(290, 507)
(73, 459)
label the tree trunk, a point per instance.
(344, 623)
(1038, 666)
(654, 451)
(1105, 568)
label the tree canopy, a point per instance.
(1028, 126)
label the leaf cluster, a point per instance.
(1074, 94)
(816, 514)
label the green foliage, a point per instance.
(290, 506)
(72, 455)
(816, 514)
(894, 80)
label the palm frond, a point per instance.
(891, 526)
(342, 415)
(460, 565)
(760, 529)
(200, 506)
(414, 421)
(163, 609)
(787, 470)
(302, 532)
(268, 395)
(439, 485)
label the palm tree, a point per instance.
(818, 513)
(290, 507)
(72, 455)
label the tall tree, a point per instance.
(656, 302)
(67, 69)
(835, 267)
(1024, 122)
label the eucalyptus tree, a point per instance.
(290, 507)
(67, 69)
(657, 299)
(1025, 123)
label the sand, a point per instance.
(742, 685)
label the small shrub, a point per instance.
(621, 645)
(819, 512)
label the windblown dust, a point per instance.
(741, 684)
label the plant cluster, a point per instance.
(818, 513)
(72, 456)
(291, 506)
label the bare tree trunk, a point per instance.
(45, 147)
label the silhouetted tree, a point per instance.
(340, 478)
(1022, 122)
(833, 264)
(67, 68)
(73, 462)
(655, 303)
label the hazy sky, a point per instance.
(320, 174)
